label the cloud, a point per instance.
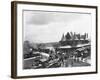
(43, 17)
(39, 19)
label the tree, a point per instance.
(68, 36)
(26, 47)
(41, 45)
(74, 36)
(78, 36)
(63, 38)
(84, 36)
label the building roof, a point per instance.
(82, 45)
(65, 47)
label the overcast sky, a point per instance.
(42, 26)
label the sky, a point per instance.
(44, 27)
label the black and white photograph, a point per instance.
(56, 39)
(53, 39)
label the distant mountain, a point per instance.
(51, 44)
(44, 45)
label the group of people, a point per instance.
(60, 58)
(81, 55)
